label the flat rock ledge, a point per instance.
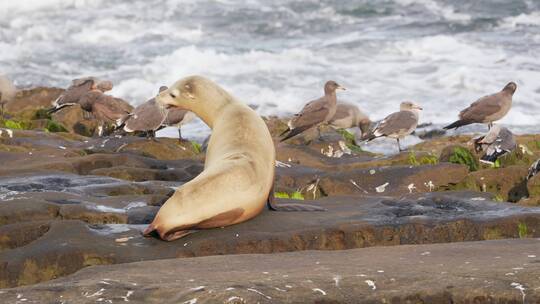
(63, 246)
(500, 271)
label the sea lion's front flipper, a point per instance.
(297, 207)
(270, 201)
(271, 204)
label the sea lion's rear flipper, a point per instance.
(173, 236)
(271, 204)
(151, 231)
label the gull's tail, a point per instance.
(457, 124)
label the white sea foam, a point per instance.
(446, 11)
(532, 19)
(20, 6)
(281, 52)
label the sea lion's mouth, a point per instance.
(168, 106)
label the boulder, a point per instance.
(76, 121)
(31, 100)
(508, 184)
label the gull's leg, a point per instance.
(153, 135)
(180, 134)
(399, 147)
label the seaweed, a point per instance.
(53, 126)
(429, 159)
(463, 156)
(350, 141)
(523, 231)
(295, 195)
(196, 146)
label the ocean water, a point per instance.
(276, 55)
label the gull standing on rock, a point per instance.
(399, 124)
(78, 88)
(106, 109)
(349, 115)
(315, 112)
(487, 109)
(7, 92)
(147, 117)
(150, 117)
(177, 118)
(533, 169)
(497, 142)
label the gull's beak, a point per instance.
(341, 88)
(418, 107)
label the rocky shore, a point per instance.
(73, 207)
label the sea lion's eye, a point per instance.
(174, 93)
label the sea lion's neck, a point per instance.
(216, 100)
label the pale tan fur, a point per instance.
(239, 168)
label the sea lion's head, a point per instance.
(186, 93)
(510, 87)
(409, 106)
(196, 94)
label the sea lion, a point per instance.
(239, 168)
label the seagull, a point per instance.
(76, 91)
(150, 117)
(147, 117)
(399, 124)
(315, 112)
(487, 109)
(105, 108)
(349, 115)
(177, 117)
(496, 143)
(533, 169)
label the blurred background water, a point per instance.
(276, 55)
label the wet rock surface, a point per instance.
(503, 271)
(68, 202)
(85, 226)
